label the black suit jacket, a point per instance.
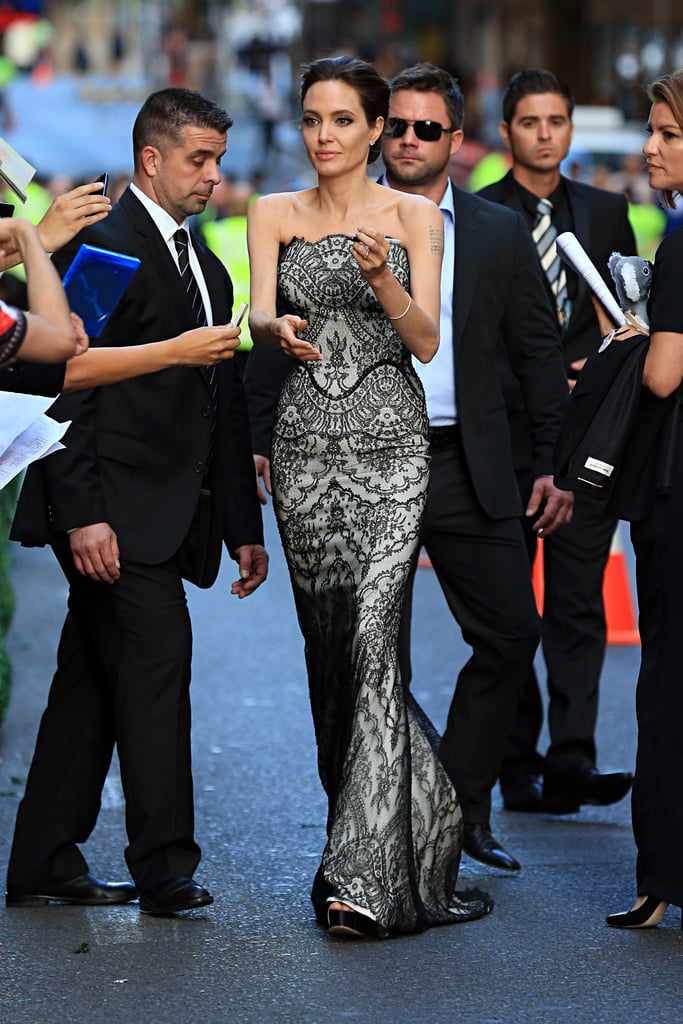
(600, 222)
(498, 298)
(33, 378)
(136, 453)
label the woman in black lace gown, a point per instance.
(353, 269)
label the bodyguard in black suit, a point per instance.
(120, 507)
(537, 128)
(492, 294)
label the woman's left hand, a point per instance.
(370, 250)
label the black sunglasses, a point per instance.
(427, 131)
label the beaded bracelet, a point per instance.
(12, 338)
(405, 311)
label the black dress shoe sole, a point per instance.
(571, 801)
(545, 805)
(38, 900)
(175, 908)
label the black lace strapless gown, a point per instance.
(350, 470)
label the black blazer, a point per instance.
(33, 378)
(136, 453)
(498, 298)
(600, 222)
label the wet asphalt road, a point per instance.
(544, 956)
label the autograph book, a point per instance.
(14, 170)
(95, 281)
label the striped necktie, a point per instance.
(544, 234)
(190, 281)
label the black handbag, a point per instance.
(600, 416)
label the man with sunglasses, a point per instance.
(537, 129)
(492, 292)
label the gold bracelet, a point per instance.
(401, 315)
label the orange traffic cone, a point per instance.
(622, 621)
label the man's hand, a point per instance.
(262, 466)
(95, 552)
(558, 506)
(253, 563)
(577, 366)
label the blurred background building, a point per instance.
(607, 49)
(74, 72)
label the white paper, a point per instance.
(573, 253)
(26, 433)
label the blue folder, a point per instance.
(94, 283)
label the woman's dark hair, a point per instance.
(371, 86)
(669, 89)
(165, 113)
(427, 77)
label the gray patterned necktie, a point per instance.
(544, 234)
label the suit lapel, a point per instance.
(213, 278)
(157, 252)
(578, 207)
(468, 257)
(511, 196)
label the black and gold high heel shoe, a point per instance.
(351, 924)
(647, 915)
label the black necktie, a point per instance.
(190, 281)
(544, 234)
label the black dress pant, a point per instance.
(123, 678)
(657, 803)
(573, 637)
(482, 567)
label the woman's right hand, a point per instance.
(68, 213)
(284, 328)
(204, 346)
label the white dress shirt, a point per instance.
(167, 229)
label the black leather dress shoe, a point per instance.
(84, 891)
(530, 796)
(174, 895)
(480, 843)
(525, 794)
(588, 786)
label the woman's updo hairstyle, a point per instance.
(371, 86)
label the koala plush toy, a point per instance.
(632, 276)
